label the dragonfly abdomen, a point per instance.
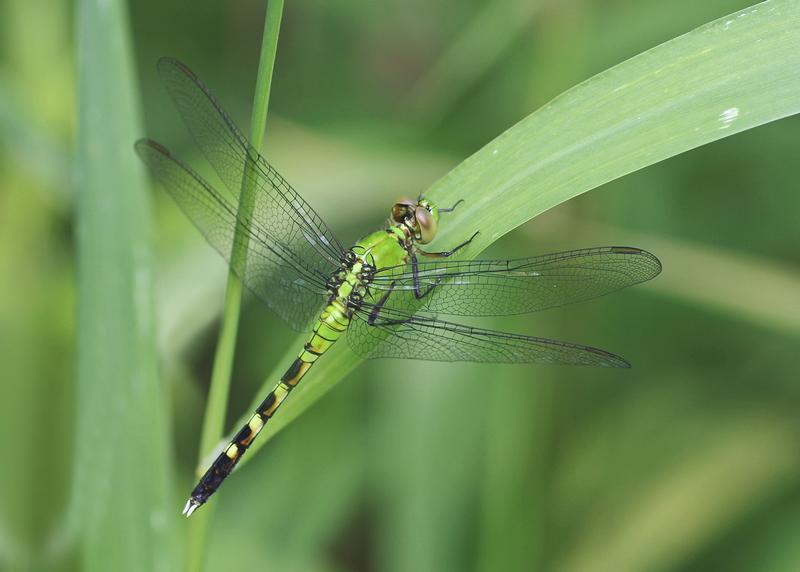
(332, 323)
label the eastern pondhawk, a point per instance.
(384, 291)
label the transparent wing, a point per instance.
(286, 283)
(506, 287)
(399, 335)
(279, 210)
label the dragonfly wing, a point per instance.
(398, 335)
(278, 210)
(506, 287)
(272, 271)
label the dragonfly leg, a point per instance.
(451, 209)
(447, 253)
(372, 320)
(418, 293)
(373, 315)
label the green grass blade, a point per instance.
(214, 419)
(736, 73)
(733, 74)
(266, 67)
(120, 486)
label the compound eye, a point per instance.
(427, 224)
(401, 209)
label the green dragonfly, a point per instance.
(384, 292)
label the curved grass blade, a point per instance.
(730, 75)
(733, 74)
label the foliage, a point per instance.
(687, 461)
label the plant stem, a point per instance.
(214, 419)
(266, 65)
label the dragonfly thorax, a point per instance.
(348, 285)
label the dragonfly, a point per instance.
(386, 293)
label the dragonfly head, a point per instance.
(421, 216)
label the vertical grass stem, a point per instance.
(214, 419)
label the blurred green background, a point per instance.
(688, 461)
